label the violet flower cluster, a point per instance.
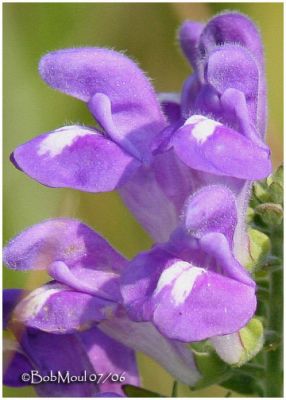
(184, 165)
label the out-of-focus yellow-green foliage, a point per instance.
(147, 33)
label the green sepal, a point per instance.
(260, 192)
(275, 183)
(259, 249)
(250, 213)
(252, 339)
(269, 190)
(136, 391)
(276, 192)
(277, 176)
(210, 366)
(270, 213)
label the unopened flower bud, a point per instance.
(270, 213)
(259, 248)
(239, 347)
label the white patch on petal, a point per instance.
(184, 284)
(170, 274)
(32, 304)
(194, 119)
(203, 127)
(56, 142)
(183, 276)
(228, 347)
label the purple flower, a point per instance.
(58, 311)
(85, 297)
(222, 117)
(192, 288)
(205, 110)
(35, 350)
(134, 129)
(228, 81)
(205, 145)
(185, 170)
(124, 103)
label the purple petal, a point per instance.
(174, 178)
(56, 308)
(190, 91)
(174, 356)
(43, 353)
(232, 27)
(72, 254)
(50, 352)
(101, 107)
(75, 157)
(65, 240)
(229, 36)
(235, 28)
(184, 246)
(85, 72)
(15, 364)
(234, 67)
(227, 67)
(139, 280)
(235, 106)
(180, 243)
(185, 302)
(10, 299)
(156, 194)
(211, 209)
(192, 304)
(216, 216)
(104, 284)
(213, 251)
(171, 105)
(216, 245)
(148, 202)
(189, 36)
(209, 146)
(110, 357)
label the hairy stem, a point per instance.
(274, 355)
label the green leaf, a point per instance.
(242, 383)
(136, 391)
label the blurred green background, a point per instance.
(148, 34)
